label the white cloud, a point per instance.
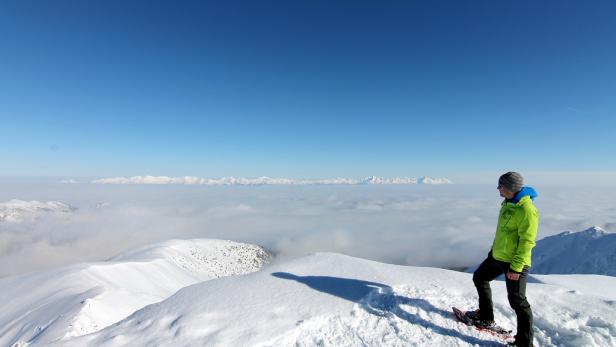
(69, 181)
(449, 226)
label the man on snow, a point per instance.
(511, 254)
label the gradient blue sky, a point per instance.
(306, 89)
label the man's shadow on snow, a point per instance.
(379, 299)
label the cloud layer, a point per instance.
(448, 226)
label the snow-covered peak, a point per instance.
(593, 232)
(430, 180)
(71, 301)
(591, 251)
(383, 180)
(18, 210)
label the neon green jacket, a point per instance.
(515, 233)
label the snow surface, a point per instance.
(45, 306)
(592, 251)
(15, 211)
(329, 299)
(595, 285)
(266, 180)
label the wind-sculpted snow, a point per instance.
(47, 306)
(335, 300)
(213, 258)
(592, 251)
(19, 210)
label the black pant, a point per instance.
(516, 293)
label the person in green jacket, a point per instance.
(516, 231)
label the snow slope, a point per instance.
(595, 285)
(75, 300)
(335, 300)
(592, 251)
(19, 210)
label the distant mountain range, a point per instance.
(267, 180)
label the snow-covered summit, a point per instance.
(18, 210)
(335, 300)
(430, 180)
(46, 306)
(591, 251)
(592, 232)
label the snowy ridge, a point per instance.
(46, 306)
(592, 251)
(266, 180)
(335, 300)
(19, 210)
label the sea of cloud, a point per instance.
(449, 226)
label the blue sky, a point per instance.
(306, 89)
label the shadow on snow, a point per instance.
(380, 300)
